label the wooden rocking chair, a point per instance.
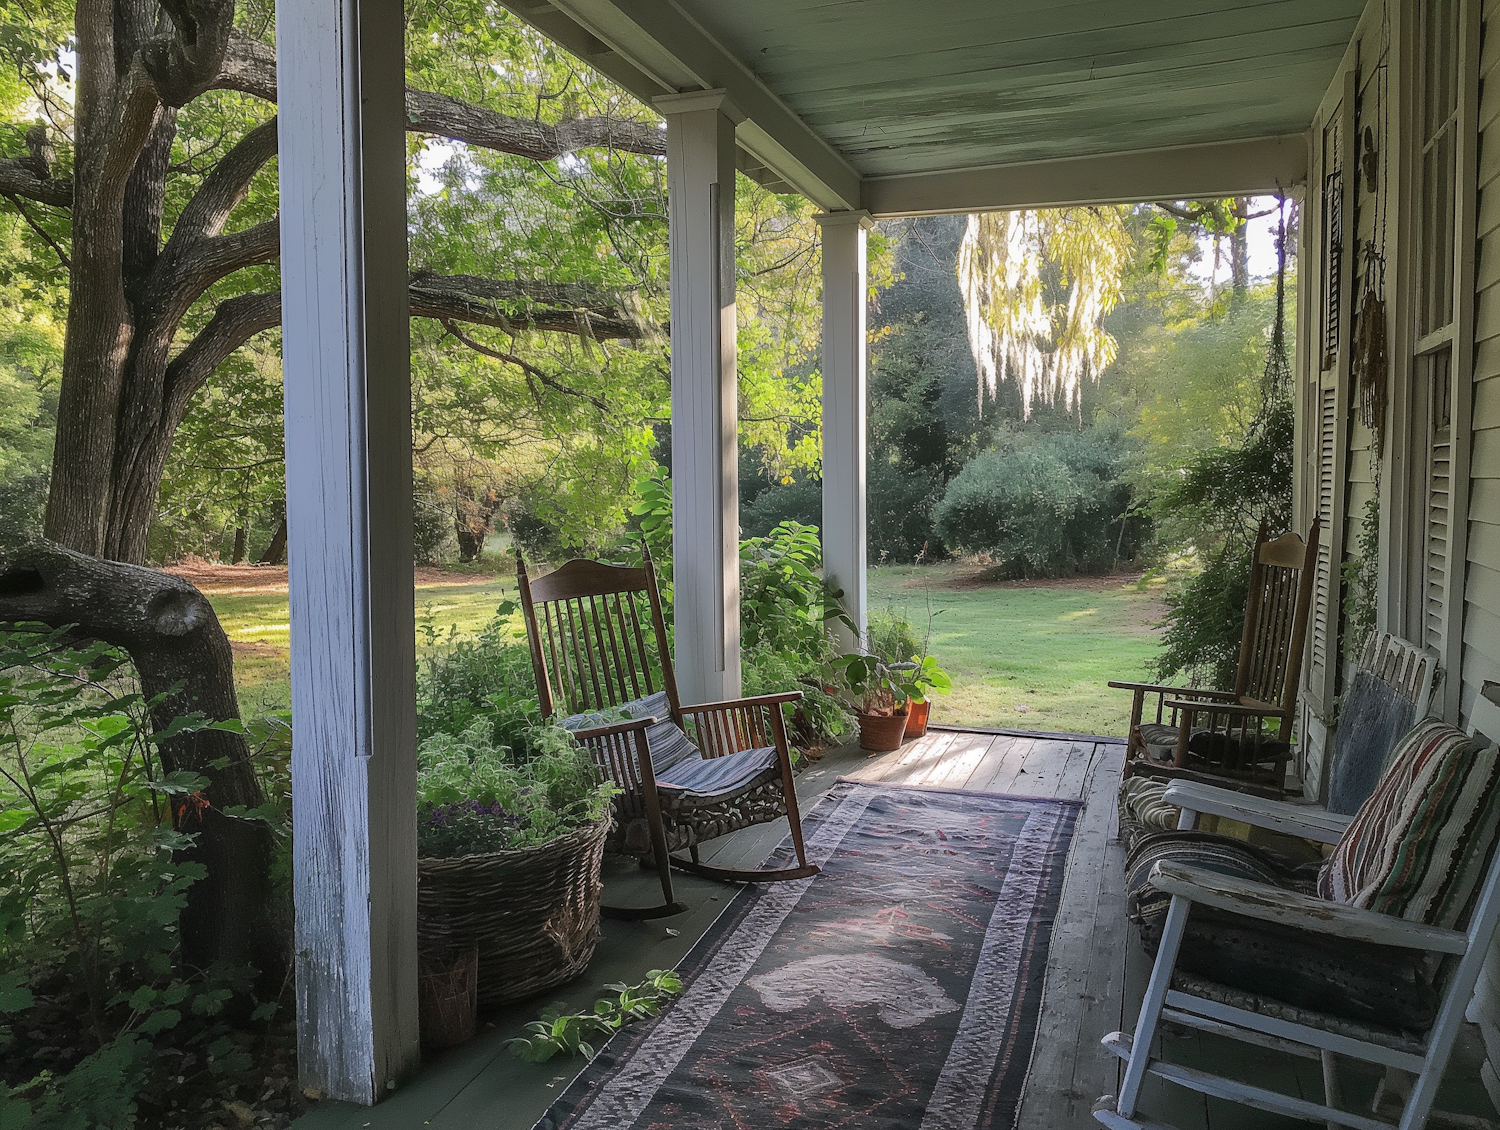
(1208, 734)
(686, 774)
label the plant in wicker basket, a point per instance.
(512, 817)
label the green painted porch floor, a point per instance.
(1096, 972)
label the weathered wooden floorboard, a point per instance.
(1001, 760)
(958, 761)
(877, 767)
(1085, 966)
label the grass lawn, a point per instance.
(1028, 655)
(251, 604)
(1023, 656)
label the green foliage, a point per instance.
(576, 1033)
(463, 678)
(1046, 504)
(96, 878)
(1224, 494)
(491, 774)
(477, 793)
(1361, 574)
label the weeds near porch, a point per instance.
(575, 1033)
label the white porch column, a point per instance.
(705, 448)
(346, 356)
(844, 305)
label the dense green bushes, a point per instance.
(102, 1024)
(1046, 504)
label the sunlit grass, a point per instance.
(1028, 658)
(1021, 657)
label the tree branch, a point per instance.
(40, 231)
(526, 367)
(223, 189)
(526, 305)
(235, 322)
(458, 298)
(250, 67)
(18, 178)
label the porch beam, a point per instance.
(705, 418)
(655, 39)
(346, 362)
(1251, 166)
(844, 398)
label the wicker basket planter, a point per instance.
(532, 913)
(881, 733)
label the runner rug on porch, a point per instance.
(898, 988)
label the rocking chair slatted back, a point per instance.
(1276, 619)
(597, 636)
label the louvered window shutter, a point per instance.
(1324, 616)
(1439, 488)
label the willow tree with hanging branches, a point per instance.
(1037, 286)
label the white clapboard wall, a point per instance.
(1484, 1009)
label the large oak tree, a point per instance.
(169, 253)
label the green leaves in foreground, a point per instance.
(571, 1033)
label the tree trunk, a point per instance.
(239, 546)
(275, 553)
(180, 652)
(1239, 248)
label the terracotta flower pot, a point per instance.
(916, 718)
(881, 733)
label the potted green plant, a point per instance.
(881, 696)
(511, 821)
(925, 678)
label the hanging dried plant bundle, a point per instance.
(1276, 381)
(1370, 365)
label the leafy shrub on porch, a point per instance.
(1046, 504)
(101, 1024)
(507, 781)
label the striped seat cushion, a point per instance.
(1418, 847)
(708, 777)
(1358, 981)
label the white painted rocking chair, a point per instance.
(1191, 1002)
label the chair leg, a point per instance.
(1151, 1006)
(663, 860)
(1333, 1086)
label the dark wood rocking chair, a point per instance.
(1243, 735)
(686, 774)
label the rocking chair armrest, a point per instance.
(1289, 908)
(735, 703)
(1237, 709)
(1156, 688)
(625, 727)
(1279, 816)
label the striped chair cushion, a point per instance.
(669, 745)
(682, 772)
(1418, 847)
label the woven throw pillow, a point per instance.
(1417, 848)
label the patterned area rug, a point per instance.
(898, 988)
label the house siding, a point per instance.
(1481, 590)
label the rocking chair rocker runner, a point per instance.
(686, 774)
(1224, 732)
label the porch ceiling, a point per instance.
(876, 98)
